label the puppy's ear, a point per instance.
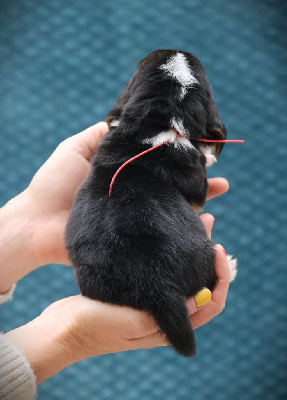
(217, 133)
(215, 128)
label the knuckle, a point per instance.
(65, 143)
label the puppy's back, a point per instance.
(143, 247)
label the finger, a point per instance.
(130, 323)
(219, 294)
(216, 187)
(155, 339)
(208, 222)
(86, 142)
(222, 272)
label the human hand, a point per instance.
(52, 190)
(32, 224)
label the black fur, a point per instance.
(145, 246)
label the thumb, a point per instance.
(86, 142)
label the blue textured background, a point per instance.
(62, 64)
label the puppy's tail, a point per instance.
(170, 313)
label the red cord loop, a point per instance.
(178, 134)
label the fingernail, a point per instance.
(213, 223)
(224, 251)
(202, 297)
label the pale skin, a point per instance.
(32, 234)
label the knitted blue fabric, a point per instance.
(63, 63)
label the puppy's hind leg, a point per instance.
(232, 262)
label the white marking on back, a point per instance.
(178, 125)
(114, 123)
(162, 137)
(172, 137)
(184, 142)
(178, 68)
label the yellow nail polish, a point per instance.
(202, 297)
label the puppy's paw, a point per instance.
(210, 159)
(209, 156)
(232, 262)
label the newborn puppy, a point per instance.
(135, 238)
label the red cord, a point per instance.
(130, 160)
(161, 144)
(206, 140)
(219, 141)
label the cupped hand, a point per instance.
(52, 190)
(94, 328)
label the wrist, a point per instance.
(46, 343)
(17, 253)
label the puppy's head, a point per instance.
(170, 88)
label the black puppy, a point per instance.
(133, 237)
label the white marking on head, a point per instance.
(178, 68)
